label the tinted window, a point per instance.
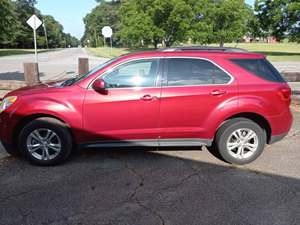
(187, 71)
(261, 68)
(141, 73)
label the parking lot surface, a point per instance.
(145, 187)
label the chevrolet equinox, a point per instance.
(229, 100)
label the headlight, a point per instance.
(7, 102)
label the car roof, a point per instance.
(205, 52)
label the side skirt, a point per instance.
(149, 143)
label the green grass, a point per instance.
(8, 52)
(106, 52)
(274, 51)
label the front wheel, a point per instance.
(45, 142)
(240, 141)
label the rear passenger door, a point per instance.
(193, 90)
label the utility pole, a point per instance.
(45, 31)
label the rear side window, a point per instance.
(187, 71)
(261, 68)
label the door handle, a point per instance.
(217, 92)
(148, 98)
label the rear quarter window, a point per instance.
(261, 68)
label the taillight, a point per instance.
(285, 94)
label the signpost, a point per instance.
(107, 33)
(34, 22)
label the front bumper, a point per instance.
(6, 125)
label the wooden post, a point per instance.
(31, 74)
(83, 66)
(292, 76)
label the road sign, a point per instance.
(34, 22)
(107, 32)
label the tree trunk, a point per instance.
(155, 43)
(168, 44)
(221, 44)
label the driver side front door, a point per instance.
(128, 113)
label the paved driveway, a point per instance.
(139, 187)
(51, 64)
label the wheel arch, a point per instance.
(25, 120)
(255, 117)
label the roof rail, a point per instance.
(202, 48)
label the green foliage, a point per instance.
(54, 32)
(8, 22)
(221, 21)
(136, 25)
(170, 21)
(279, 18)
(15, 32)
(104, 14)
(157, 21)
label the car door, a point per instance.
(128, 112)
(193, 91)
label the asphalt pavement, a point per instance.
(145, 187)
(52, 64)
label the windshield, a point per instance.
(81, 77)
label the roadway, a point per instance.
(139, 187)
(52, 64)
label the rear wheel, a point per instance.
(45, 141)
(240, 141)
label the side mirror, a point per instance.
(99, 86)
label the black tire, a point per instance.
(224, 132)
(11, 149)
(54, 125)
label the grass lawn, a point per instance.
(275, 51)
(106, 52)
(8, 52)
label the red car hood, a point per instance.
(34, 89)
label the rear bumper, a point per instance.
(280, 125)
(276, 138)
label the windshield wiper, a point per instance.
(68, 82)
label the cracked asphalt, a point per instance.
(146, 187)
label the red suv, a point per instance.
(232, 101)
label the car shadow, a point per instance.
(143, 186)
(14, 76)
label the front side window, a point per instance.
(139, 73)
(187, 71)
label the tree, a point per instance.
(279, 18)
(8, 23)
(137, 27)
(15, 32)
(54, 32)
(104, 14)
(24, 9)
(220, 20)
(164, 20)
(293, 11)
